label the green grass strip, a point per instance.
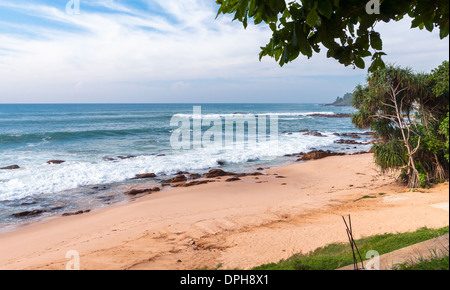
(335, 256)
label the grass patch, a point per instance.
(365, 197)
(335, 256)
(436, 262)
(370, 196)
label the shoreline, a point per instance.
(118, 193)
(240, 224)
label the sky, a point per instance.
(171, 51)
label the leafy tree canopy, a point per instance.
(344, 28)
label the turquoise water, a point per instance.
(90, 137)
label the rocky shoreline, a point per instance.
(187, 179)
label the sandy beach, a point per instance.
(240, 224)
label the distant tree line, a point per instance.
(346, 100)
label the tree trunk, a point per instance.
(413, 176)
(439, 171)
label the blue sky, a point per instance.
(162, 51)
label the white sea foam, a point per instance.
(282, 114)
(45, 178)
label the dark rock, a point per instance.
(351, 142)
(126, 157)
(76, 213)
(105, 199)
(319, 154)
(194, 183)
(177, 179)
(217, 173)
(360, 153)
(28, 213)
(11, 167)
(336, 134)
(351, 135)
(134, 192)
(247, 174)
(181, 172)
(106, 158)
(232, 179)
(57, 208)
(315, 134)
(260, 169)
(221, 163)
(303, 131)
(214, 173)
(29, 203)
(101, 187)
(331, 115)
(145, 176)
(55, 162)
(160, 155)
(194, 176)
(156, 189)
(254, 174)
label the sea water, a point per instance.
(92, 139)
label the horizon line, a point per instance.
(181, 103)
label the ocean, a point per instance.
(104, 146)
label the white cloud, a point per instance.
(132, 50)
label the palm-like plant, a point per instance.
(400, 108)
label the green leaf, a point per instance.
(364, 53)
(444, 32)
(280, 6)
(429, 25)
(312, 18)
(359, 62)
(325, 8)
(277, 53)
(294, 40)
(273, 26)
(376, 65)
(273, 5)
(285, 56)
(302, 40)
(416, 22)
(375, 41)
(252, 8)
